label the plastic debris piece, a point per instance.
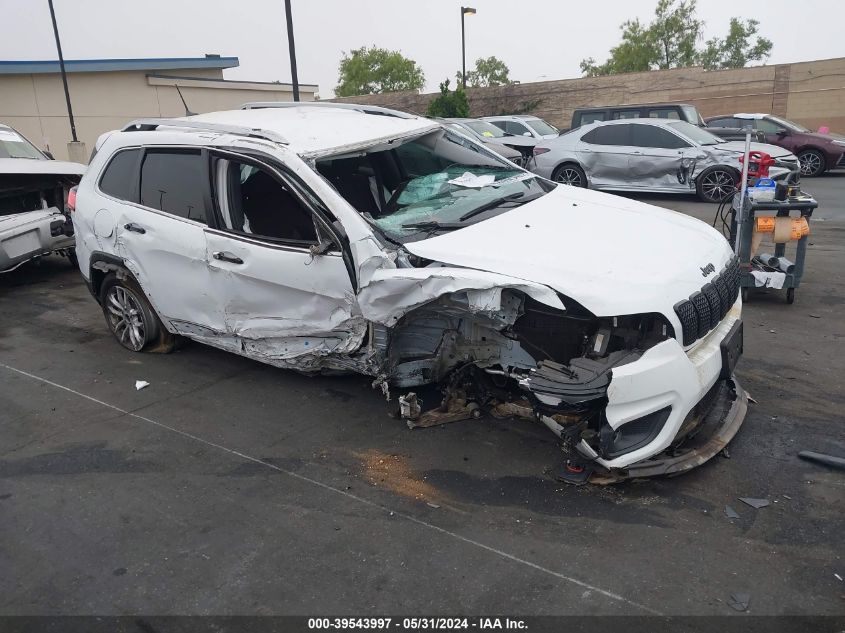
(141, 384)
(752, 400)
(755, 503)
(731, 513)
(739, 601)
(823, 458)
(838, 577)
(432, 505)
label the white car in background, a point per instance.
(652, 155)
(524, 125)
(33, 192)
(334, 237)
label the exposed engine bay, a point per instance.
(525, 359)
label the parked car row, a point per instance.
(651, 155)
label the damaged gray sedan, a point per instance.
(329, 237)
(651, 155)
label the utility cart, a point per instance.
(785, 212)
(799, 208)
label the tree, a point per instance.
(737, 49)
(675, 32)
(635, 53)
(449, 104)
(488, 72)
(374, 70)
(670, 41)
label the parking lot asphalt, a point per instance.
(231, 487)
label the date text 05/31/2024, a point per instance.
(412, 624)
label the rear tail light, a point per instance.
(71, 200)
(541, 150)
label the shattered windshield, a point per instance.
(13, 145)
(431, 184)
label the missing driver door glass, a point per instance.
(276, 298)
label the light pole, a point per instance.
(292, 51)
(64, 74)
(464, 11)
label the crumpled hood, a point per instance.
(10, 166)
(613, 255)
(739, 147)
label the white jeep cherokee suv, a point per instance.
(354, 238)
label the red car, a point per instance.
(817, 152)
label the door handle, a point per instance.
(637, 153)
(223, 256)
(131, 226)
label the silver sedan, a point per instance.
(651, 155)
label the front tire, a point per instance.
(716, 183)
(131, 318)
(570, 174)
(812, 162)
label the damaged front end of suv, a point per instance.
(502, 352)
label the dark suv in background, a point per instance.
(817, 152)
(679, 111)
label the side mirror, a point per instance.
(782, 133)
(322, 247)
(526, 133)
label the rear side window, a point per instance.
(518, 129)
(609, 135)
(175, 182)
(666, 113)
(653, 136)
(589, 117)
(118, 178)
(626, 114)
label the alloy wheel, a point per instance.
(569, 176)
(126, 318)
(811, 163)
(717, 185)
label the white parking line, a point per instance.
(349, 495)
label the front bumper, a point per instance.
(667, 376)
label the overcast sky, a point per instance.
(538, 39)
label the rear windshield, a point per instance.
(484, 129)
(13, 145)
(695, 133)
(428, 185)
(540, 126)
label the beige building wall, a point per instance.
(102, 101)
(811, 93)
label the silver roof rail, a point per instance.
(148, 125)
(365, 109)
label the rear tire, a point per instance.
(812, 162)
(716, 183)
(570, 174)
(131, 318)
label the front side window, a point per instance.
(254, 202)
(118, 179)
(768, 127)
(656, 137)
(517, 129)
(609, 135)
(175, 181)
(694, 133)
(430, 184)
